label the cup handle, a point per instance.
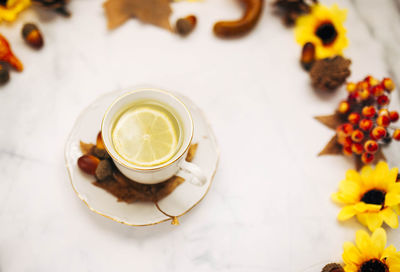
(190, 169)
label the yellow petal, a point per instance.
(390, 217)
(362, 218)
(367, 176)
(374, 221)
(392, 199)
(354, 176)
(363, 242)
(394, 187)
(351, 254)
(378, 239)
(346, 213)
(350, 188)
(389, 252)
(344, 198)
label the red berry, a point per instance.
(364, 94)
(383, 100)
(371, 80)
(383, 112)
(383, 121)
(347, 150)
(357, 136)
(396, 135)
(344, 107)
(394, 116)
(371, 146)
(362, 85)
(345, 129)
(378, 90)
(367, 158)
(368, 111)
(366, 124)
(354, 118)
(388, 84)
(357, 148)
(351, 87)
(378, 133)
(345, 141)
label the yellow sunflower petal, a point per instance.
(343, 198)
(353, 175)
(350, 268)
(392, 199)
(394, 187)
(363, 242)
(378, 239)
(367, 176)
(346, 213)
(390, 218)
(374, 221)
(351, 255)
(380, 173)
(350, 188)
(390, 251)
(392, 175)
(362, 218)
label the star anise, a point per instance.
(289, 10)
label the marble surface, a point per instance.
(269, 208)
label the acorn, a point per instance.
(186, 25)
(32, 35)
(4, 74)
(307, 56)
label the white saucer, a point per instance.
(178, 203)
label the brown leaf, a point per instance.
(331, 121)
(332, 148)
(155, 12)
(85, 147)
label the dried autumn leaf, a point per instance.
(155, 12)
(331, 121)
(86, 148)
(332, 148)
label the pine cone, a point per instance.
(328, 74)
(289, 10)
(58, 6)
(333, 267)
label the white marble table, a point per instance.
(269, 208)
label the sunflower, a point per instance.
(369, 253)
(373, 195)
(9, 9)
(324, 28)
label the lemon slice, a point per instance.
(145, 136)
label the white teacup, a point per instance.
(177, 165)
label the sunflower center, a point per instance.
(374, 265)
(326, 32)
(3, 3)
(374, 196)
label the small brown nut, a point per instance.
(186, 25)
(229, 29)
(4, 74)
(100, 153)
(307, 56)
(99, 141)
(88, 164)
(103, 170)
(32, 35)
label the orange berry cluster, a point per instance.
(367, 118)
